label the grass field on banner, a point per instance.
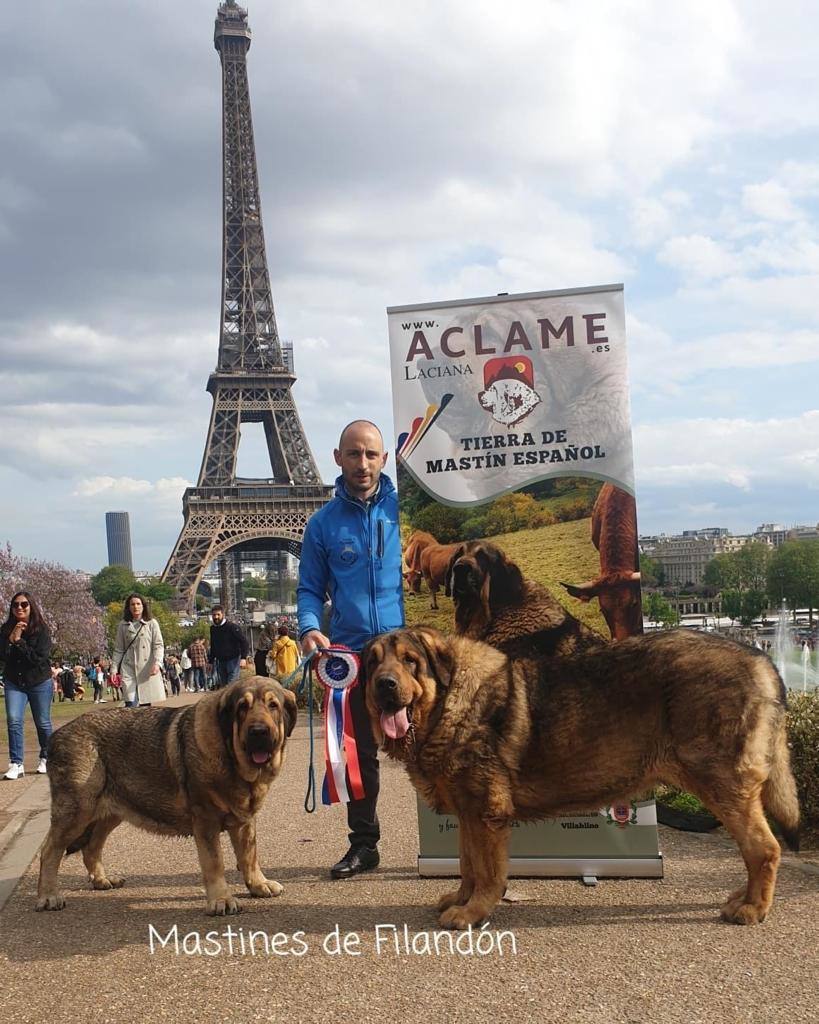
(549, 554)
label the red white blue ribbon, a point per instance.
(337, 669)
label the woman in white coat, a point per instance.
(138, 653)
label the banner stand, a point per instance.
(588, 847)
(513, 430)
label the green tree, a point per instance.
(793, 575)
(113, 583)
(651, 572)
(168, 623)
(722, 572)
(156, 590)
(752, 564)
(658, 609)
(732, 604)
(513, 512)
(443, 522)
(113, 617)
(744, 569)
(201, 628)
(754, 603)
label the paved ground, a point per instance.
(626, 951)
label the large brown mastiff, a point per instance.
(493, 740)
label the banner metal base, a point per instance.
(555, 867)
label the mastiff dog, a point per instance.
(197, 770)
(493, 740)
(494, 603)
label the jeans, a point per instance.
(199, 681)
(39, 697)
(227, 671)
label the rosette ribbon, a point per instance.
(338, 669)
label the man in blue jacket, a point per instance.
(351, 552)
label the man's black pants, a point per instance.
(362, 819)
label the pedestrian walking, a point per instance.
(138, 653)
(228, 647)
(264, 641)
(284, 654)
(187, 670)
(198, 653)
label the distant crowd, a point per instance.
(193, 670)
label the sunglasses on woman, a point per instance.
(20, 604)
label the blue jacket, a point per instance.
(352, 551)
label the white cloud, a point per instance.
(698, 257)
(160, 498)
(659, 361)
(742, 453)
(771, 201)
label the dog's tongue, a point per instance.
(260, 757)
(395, 726)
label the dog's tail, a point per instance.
(81, 840)
(779, 797)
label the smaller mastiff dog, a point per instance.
(494, 740)
(198, 770)
(495, 604)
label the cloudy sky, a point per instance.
(407, 153)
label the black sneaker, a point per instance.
(355, 860)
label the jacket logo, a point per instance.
(348, 553)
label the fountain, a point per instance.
(798, 668)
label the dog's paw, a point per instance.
(265, 889)
(108, 882)
(451, 899)
(733, 903)
(223, 907)
(462, 917)
(55, 902)
(745, 913)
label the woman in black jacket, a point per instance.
(25, 650)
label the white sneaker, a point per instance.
(16, 771)
(41, 766)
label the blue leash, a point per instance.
(305, 669)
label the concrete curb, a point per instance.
(23, 835)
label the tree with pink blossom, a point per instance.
(76, 623)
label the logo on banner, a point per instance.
(621, 814)
(408, 440)
(509, 389)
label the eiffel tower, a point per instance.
(227, 517)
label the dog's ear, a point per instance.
(225, 714)
(438, 653)
(364, 661)
(506, 579)
(291, 711)
(460, 550)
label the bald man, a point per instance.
(352, 552)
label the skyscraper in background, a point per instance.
(118, 532)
